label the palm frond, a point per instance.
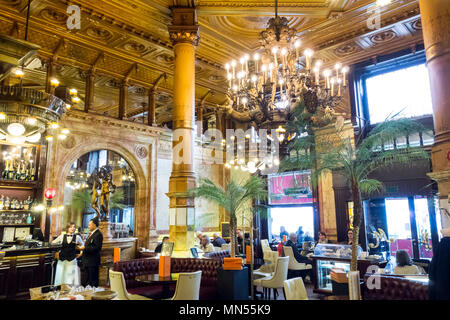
(369, 186)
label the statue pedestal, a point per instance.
(128, 249)
(105, 228)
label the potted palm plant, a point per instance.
(357, 161)
(233, 198)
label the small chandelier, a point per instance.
(280, 74)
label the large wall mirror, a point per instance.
(78, 190)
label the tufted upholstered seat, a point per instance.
(133, 268)
(218, 255)
(396, 288)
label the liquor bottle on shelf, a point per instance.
(33, 173)
(21, 206)
(29, 219)
(17, 175)
(13, 204)
(2, 201)
(7, 203)
(23, 173)
(11, 170)
(5, 170)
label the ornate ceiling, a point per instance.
(117, 35)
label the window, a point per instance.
(405, 92)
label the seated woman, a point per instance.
(206, 245)
(404, 264)
(67, 270)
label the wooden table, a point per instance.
(155, 279)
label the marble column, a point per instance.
(151, 116)
(184, 33)
(435, 15)
(89, 91)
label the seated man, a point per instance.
(292, 242)
(218, 241)
(159, 246)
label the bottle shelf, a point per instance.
(17, 225)
(15, 211)
(13, 184)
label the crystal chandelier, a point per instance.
(282, 73)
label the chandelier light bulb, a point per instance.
(339, 80)
(271, 66)
(54, 125)
(264, 68)
(254, 78)
(316, 69)
(309, 53)
(65, 131)
(281, 81)
(283, 51)
(19, 73)
(244, 100)
(256, 56)
(73, 92)
(246, 57)
(229, 76)
(68, 106)
(333, 80)
(318, 64)
(381, 3)
(2, 116)
(326, 72)
(233, 63)
(345, 69)
(338, 66)
(54, 82)
(274, 50)
(242, 60)
(76, 99)
(297, 43)
(227, 66)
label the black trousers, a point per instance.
(91, 276)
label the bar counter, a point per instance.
(25, 268)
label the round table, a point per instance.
(155, 279)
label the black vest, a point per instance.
(68, 250)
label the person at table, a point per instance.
(206, 245)
(67, 270)
(160, 245)
(300, 236)
(240, 240)
(91, 253)
(349, 237)
(439, 275)
(323, 238)
(404, 263)
(292, 242)
(199, 235)
(218, 241)
(283, 232)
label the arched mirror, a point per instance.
(78, 190)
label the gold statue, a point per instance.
(95, 195)
(107, 188)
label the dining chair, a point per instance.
(276, 280)
(293, 263)
(117, 284)
(188, 286)
(294, 289)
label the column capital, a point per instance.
(184, 28)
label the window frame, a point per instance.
(370, 68)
